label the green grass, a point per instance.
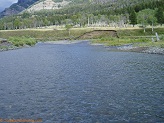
(21, 41)
(4, 47)
(141, 42)
(134, 36)
(109, 41)
(151, 44)
(43, 35)
(126, 36)
(139, 32)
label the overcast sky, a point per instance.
(6, 3)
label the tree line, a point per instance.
(115, 15)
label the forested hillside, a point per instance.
(78, 13)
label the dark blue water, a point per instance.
(81, 83)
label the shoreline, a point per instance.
(123, 48)
(131, 48)
(66, 42)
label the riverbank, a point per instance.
(16, 42)
(122, 48)
(133, 40)
(81, 33)
(131, 48)
(6, 47)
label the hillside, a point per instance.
(17, 7)
(47, 5)
(37, 5)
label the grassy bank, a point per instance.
(135, 37)
(16, 42)
(22, 41)
(109, 41)
(140, 42)
(139, 32)
(44, 35)
(21, 38)
(126, 36)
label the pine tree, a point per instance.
(160, 16)
(133, 18)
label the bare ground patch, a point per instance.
(98, 33)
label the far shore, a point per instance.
(123, 48)
(65, 42)
(125, 39)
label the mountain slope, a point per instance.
(17, 7)
(48, 5)
(70, 6)
(37, 5)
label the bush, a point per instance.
(162, 37)
(3, 47)
(162, 45)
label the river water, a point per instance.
(81, 83)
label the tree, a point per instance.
(146, 17)
(133, 18)
(160, 16)
(83, 20)
(74, 19)
(25, 14)
(68, 27)
(152, 19)
(89, 18)
(17, 23)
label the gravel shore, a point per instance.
(154, 50)
(150, 50)
(64, 42)
(131, 48)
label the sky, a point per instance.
(6, 3)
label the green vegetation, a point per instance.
(160, 15)
(4, 47)
(141, 42)
(147, 17)
(44, 35)
(82, 13)
(133, 18)
(151, 44)
(82, 16)
(68, 27)
(127, 33)
(126, 36)
(120, 41)
(135, 37)
(22, 41)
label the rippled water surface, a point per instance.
(81, 83)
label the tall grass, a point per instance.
(21, 41)
(151, 44)
(140, 42)
(4, 47)
(126, 36)
(43, 35)
(111, 41)
(139, 32)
